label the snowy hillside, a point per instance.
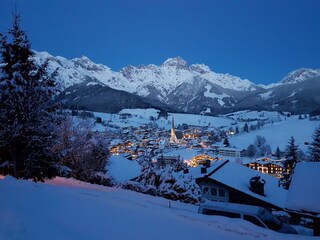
(69, 210)
(142, 116)
(279, 133)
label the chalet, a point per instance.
(303, 201)
(231, 182)
(270, 167)
(232, 152)
(200, 160)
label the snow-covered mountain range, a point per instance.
(191, 88)
(138, 80)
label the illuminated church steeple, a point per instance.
(173, 137)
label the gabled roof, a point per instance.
(179, 134)
(238, 177)
(304, 191)
(186, 153)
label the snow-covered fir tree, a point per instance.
(278, 153)
(27, 115)
(226, 142)
(314, 148)
(290, 162)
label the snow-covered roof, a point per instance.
(230, 149)
(238, 177)
(121, 169)
(248, 161)
(304, 193)
(185, 154)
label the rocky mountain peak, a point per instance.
(200, 68)
(300, 75)
(85, 63)
(177, 62)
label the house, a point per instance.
(125, 115)
(200, 160)
(270, 167)
(232, 152)
(231, 182)
(303, 200)
(164, 160)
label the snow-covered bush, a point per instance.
(166, 183)
(282, 216)
(81, 150)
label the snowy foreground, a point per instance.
(68, 209)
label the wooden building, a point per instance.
(267, 167)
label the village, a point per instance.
(192, 146)
(223, 173)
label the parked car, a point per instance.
(256, 215)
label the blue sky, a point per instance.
(261, 40)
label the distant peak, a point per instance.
(300, 75)
(175, 62)
(43, 54)
(83, 59)
(86, 63)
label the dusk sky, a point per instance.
(258, 40)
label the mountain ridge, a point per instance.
(189, 88)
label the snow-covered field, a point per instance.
(142, 116)
(279, 133)
(247, 114)
(67, 209)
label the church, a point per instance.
(175, 137)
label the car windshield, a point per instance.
(271, 221)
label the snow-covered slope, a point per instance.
(68, 209)
(279, 133)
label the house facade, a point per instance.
(272, 168)
(231, 182)
(232, 152)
